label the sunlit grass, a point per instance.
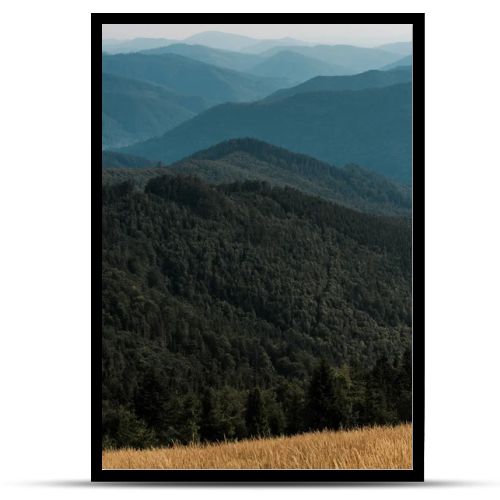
(366, 448)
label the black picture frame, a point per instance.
(253, 477)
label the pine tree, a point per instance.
(291, 398)
(342, 411)
(211, 418)
(320, 399)
(382, 394)
(189, 426)
(256, 418)
(149, 399)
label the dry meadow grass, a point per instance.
(367, 448)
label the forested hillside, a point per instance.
(218, 302)
(249, 159)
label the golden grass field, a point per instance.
(367, 448)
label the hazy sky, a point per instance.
(332, 33)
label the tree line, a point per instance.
(333, 400)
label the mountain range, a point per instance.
(246, 54)
(213, 39)
(285, 65)
(369, 127)
(149, 93)
(353, 59)
(236, 61)
(228, 41)
(188, 77)
(165, 103)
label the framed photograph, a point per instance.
(258, 248)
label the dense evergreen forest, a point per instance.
(245, 309)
